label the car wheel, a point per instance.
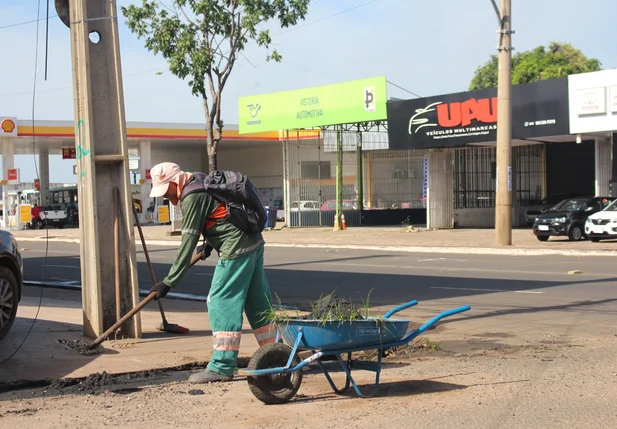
(542, 237)
(595, 240)
(9, 298)
(576, 233)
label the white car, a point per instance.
(305, 206)
(603, 224)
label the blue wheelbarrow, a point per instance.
(274, 372)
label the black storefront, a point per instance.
(468, 119)
(539, 110)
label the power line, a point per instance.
(61, 88)
(328, 17)
(17, 24)
(403, 89)
(159, 69)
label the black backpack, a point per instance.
(244, 207)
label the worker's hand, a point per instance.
(161, 290)
(205, 250)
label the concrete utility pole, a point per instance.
(102, 168)
(503, 209)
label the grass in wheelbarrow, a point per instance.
(328, 308)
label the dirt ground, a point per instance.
(551, 383)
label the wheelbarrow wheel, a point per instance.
(275, 388)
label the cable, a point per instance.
(62, 88)
(401, 88)
(36, 169)
(164, 69)
(46, 41)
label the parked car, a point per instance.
(536, 210)
(11, 281)
(568, 217)
(305, 206)
(602, 225)
(331, 205)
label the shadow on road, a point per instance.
(297, 287)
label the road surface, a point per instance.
(298, 275)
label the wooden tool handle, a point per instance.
(126, 317)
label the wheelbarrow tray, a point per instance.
(343, 335)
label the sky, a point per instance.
(426, 47)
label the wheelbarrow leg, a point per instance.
(367, 366)
(327, 374)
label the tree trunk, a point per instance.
(212, 160)
(211, 143)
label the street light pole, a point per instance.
(503, 209)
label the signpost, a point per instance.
(343, 103)
(351, 102)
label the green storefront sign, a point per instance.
(344, 103)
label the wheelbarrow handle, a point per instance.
(440, 316)
(400, 308)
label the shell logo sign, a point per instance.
(8, 127)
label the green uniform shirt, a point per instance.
(230, 241)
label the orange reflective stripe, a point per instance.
(265, 334)
(219, 213)
(226, 341)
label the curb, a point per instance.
(497, 251)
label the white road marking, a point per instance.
(77, 267)
(486, 290)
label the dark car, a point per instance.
(540, 207)
(11, 280)
(568, 217)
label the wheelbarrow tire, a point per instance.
(277, 388)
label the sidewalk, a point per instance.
(407, 239)
(60, 317)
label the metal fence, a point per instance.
(475, 176)
(390, 179)
(394, 179)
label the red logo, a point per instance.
(462, 114)
(148, 176)
(37, 184)
(68, 153)
(8, 126)
(12, 174)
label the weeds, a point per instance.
(427, 344)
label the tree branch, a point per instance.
(185, 15)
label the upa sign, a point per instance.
(455, 120)
(344, 103)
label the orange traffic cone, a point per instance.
(343, 223)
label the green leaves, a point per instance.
(541, 63)
(201, 41)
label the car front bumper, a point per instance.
(601, 231)
(554, 229)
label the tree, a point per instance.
(558, 60)
(201, 41)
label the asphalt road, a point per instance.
(298, 275)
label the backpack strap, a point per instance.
(220, 214)
(196, 185)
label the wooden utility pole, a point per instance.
(102, 167)
(503, 209)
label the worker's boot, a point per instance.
(208, 376)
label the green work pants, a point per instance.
(238, 285)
